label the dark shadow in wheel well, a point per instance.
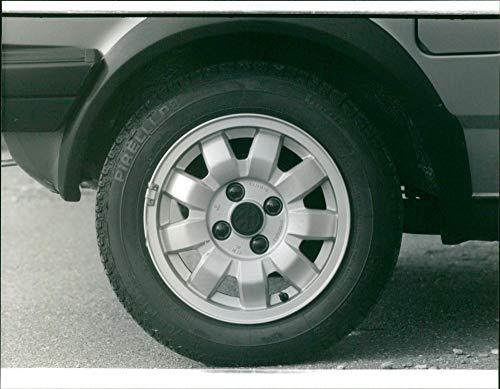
(381, 103)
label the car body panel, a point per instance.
(469, 87)
(459, 36)
(458, 91)
(100, 33)
(40, 85)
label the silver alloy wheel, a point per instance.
(233, 276)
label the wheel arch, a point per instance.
(377, 65)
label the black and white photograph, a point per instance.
(250, 194)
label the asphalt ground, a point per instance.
(58, 310)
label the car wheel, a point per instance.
(248, 214)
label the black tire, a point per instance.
(294, 96)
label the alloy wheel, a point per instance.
(247, 218)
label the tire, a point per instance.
(240, 337)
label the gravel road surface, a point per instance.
(58, 310)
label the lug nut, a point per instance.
(221, 230)
(235, 192)
(273, 206)
(283, 296)
(259, 244)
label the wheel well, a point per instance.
(377, 96)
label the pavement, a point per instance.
(440, 310)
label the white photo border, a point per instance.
(279, 7)
(16, 378)
(245, 378)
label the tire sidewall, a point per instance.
(367, 180)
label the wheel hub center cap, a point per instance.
(247, 219)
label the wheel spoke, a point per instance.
(313, 224)
(293, 266)
(221, 163)
(252, 282)
(301, 180)
(189, 190)
(185, 235)
(264, 154)
(209, 272)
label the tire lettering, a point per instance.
(133, 146)
(125, 159)
(119, 176)
(149, 125)
(138, 137)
